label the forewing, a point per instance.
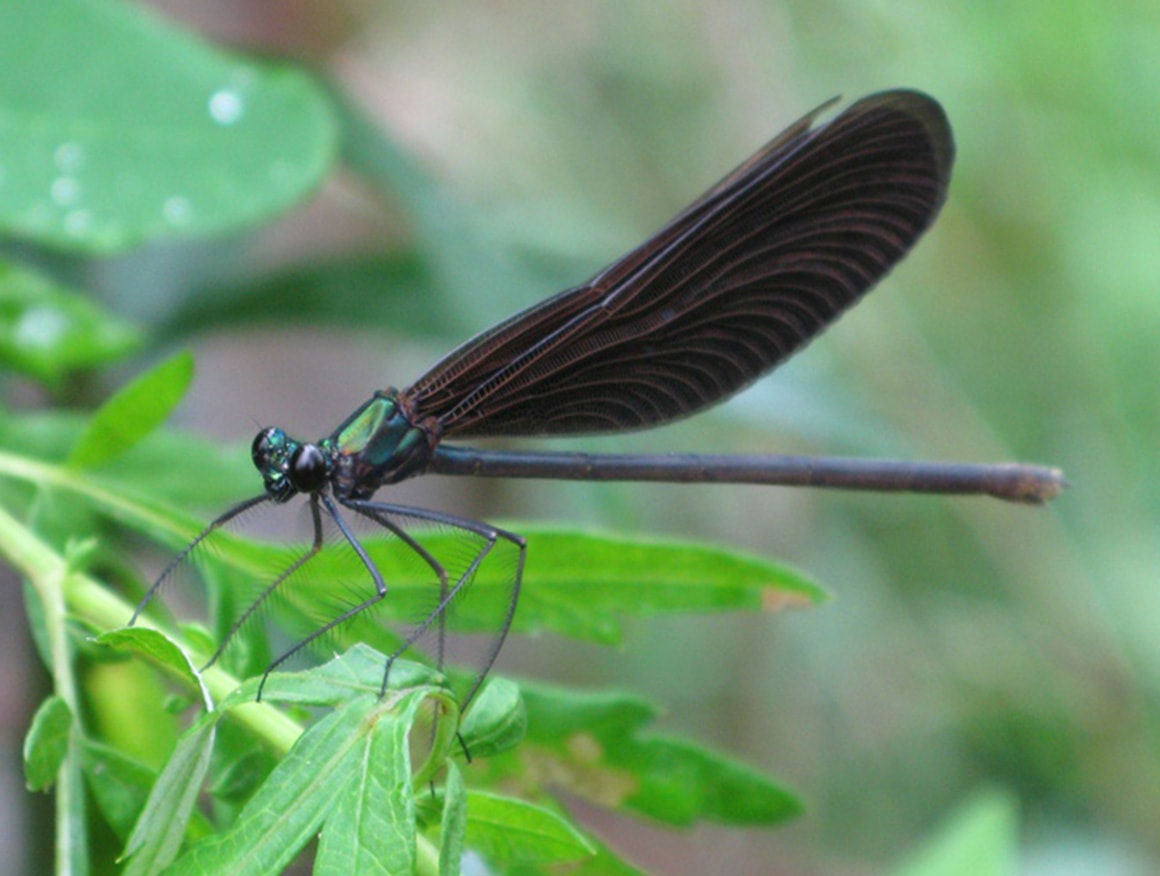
(744, 277)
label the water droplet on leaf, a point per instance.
(226, 106)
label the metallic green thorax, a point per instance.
(377, 444)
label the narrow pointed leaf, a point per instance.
(160, 830)
(581, 584)
(453, 824)
(134, 412)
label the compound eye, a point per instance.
(266, 443)
(308, 468)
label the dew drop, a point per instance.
(65, 191)
(177, 210)
(226, 106)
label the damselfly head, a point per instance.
(288, 467)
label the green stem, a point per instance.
(163, 524)
(48, 573)
(63, 590)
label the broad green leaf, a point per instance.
(46, 745)
(453, 824)
(496, 720)
(47, 330)
(556, 713)
(161, 827)
(981, 839)
(186, 471)
(507, 830)
(370, 827)
(134, 412)
(117, 128)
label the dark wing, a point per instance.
(748, 274)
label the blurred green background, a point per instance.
(972, 645)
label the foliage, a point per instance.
(217, 142)
(972, 645)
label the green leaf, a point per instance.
(511, 831)
(453, 824)
(371, 826)
(46, 745)
(595, 743)
(119, 784)
(117, 128)
(680, 783)
(160, 649)
(981, 839)
(575, 583)
(160, 829)
(47, 330)
(330, 761)
(135, 411)
(357, 672)
(239, 768)
(556, 713)
(292, 804)
(496, 721)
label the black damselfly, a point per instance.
(747, 275)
